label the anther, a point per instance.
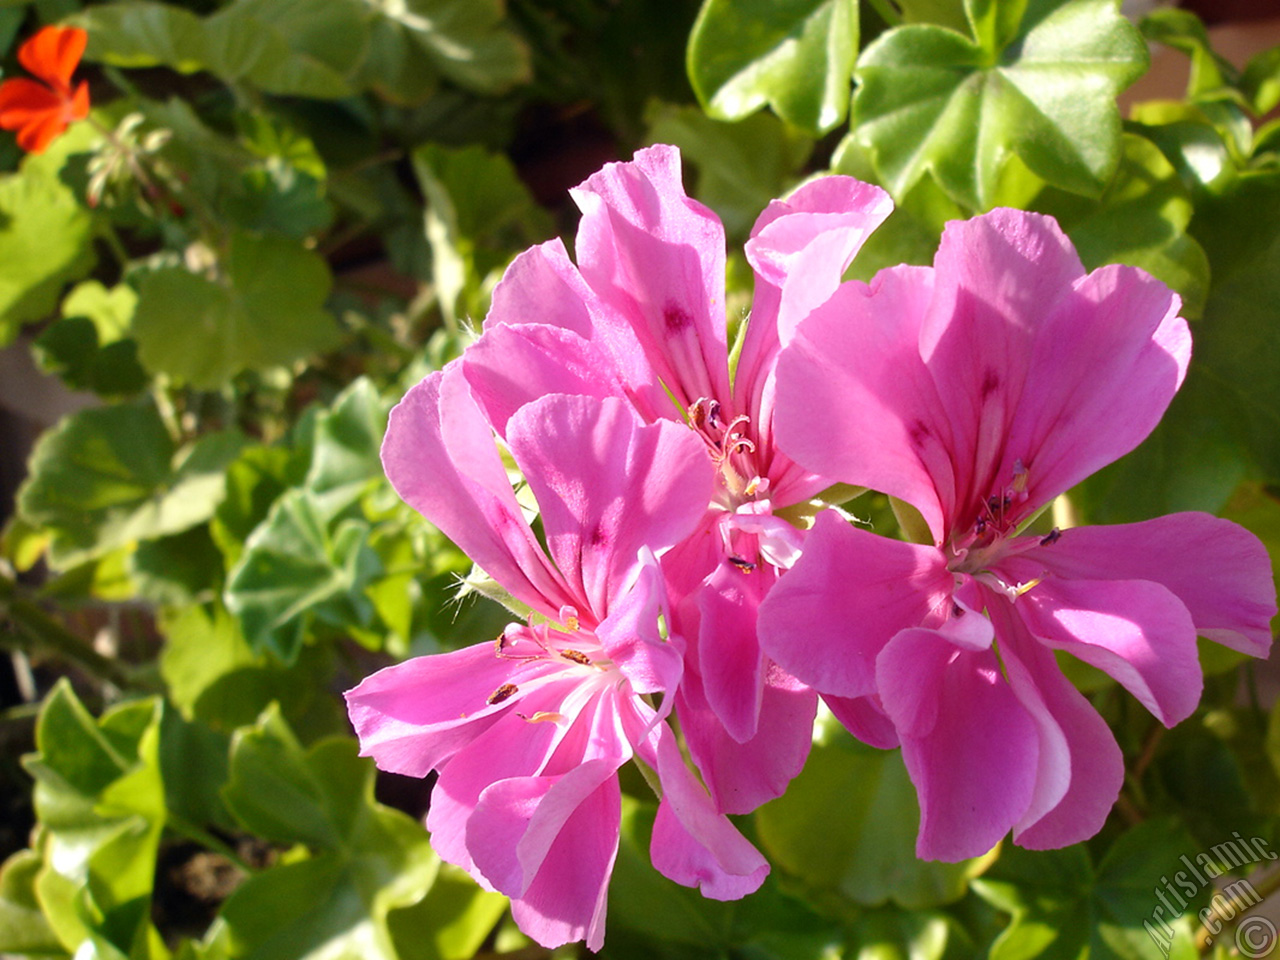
(746, 566)
(502, 693)
(576, 657)
(1053, 536)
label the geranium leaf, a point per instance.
(103, 478)
(932, 100)
(266, 311)
(796, 56)
(368, 859)
(868, 856)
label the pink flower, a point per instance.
(642, 318)
(978, 390)
(528, 733)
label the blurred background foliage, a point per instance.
(282, 213)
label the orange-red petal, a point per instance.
(53, 54)
(37, 113)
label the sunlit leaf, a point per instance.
(106, 477)
(930, 99)
(796, 56)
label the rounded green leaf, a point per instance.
(796, 56)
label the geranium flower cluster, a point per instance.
(690, 592)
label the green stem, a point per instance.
(206, 839)
(1266, 885)
(887, 12)
(37, 631)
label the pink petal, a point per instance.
(865, 718)
(413, 716)
(799, 249)
(515, 364)
(846, 597)
(1081, 768)
(657, 258)
(549, 843)
(511, 747)
(1114, 342)
(1218, 570)
(970, 747)
(996, 278)
(607, 485)
(543, 286)
(1134, 630)
(856, 402)
(742, 776)
(631, 638)
(439, 454)
(692, 844)
(729, 656)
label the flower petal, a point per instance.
(657, 257)
(439, 454)
(607, 485)
(971, 748)
(549, 843)
(413, 716)
(1113, 342)
(1081, 768)
(1218, 570)
(543, 286)
(846, 597)
(692, 844)
(53, 53)
(865, 718)
(742, 776)
(515, 364)
(799, 249)
(1134, 630)
(856, 402)
(729, 657)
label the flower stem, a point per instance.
(38, 631)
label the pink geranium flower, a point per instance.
(642, 318)
(528, 733)
(978, 390)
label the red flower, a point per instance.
(41, 111)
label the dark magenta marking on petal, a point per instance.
(676, 317)
(598, 535)
(990, 383)
(919, 433)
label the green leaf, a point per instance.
(347, 442)
(796, 56)
(255, 480)
(368, 859)
(266, 311)
(300, 48)
(180, 569)
(23, 927)
(867, 855)
(110, 310)
(100, 800)
(932, 100)
(1062, 907)
(451, 922)
(466, 40)
(295, 571)
(103, 478)
(45, 235)
(740, 167)
(478, 210)
(70, 347)
(1140, 220)
(1183, 30)
(214, 677)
